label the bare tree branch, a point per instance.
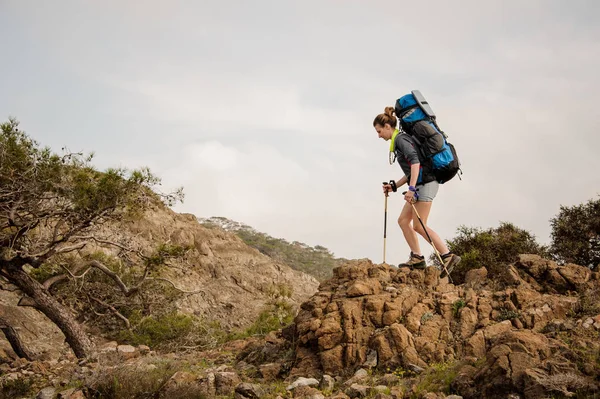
(126, 291)
(112, 243)
(27, 302)
(113, 310)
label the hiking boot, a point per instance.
(414, 262)
(450, 261)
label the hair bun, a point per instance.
(389, 111)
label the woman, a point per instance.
(422, 189)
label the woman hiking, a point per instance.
(422, 189)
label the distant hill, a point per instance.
(317, 261)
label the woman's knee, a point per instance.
(404, 221)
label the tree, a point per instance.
(14, 340)
(52, 206)
(576, 234)
(493, 248)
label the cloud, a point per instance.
(263, 110)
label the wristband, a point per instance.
(412, 188)
(393, 184)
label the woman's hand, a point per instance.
(409, 197)
(387, 188)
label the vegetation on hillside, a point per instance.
(51, 207)
(575, 239)
(317, 261)
(576, 234)
(492, 248)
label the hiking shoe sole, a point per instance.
(420, 266)
(452, 264)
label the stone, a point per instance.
(476, 277)
(371, 361)
(357, 391)
(46, 393)
(225, 382)
(269, 371)
(249, 391)
(327, 383)
(301, 382)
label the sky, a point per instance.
(263, 110)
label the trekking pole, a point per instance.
(384, 225)
(431, 241)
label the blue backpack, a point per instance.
(418, 120)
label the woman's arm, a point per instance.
(414, 173)
(402, 181)
(414, 176)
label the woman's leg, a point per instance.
(423, 208)
(405, 219)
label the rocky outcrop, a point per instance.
(498, 332)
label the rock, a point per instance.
(306, 392)
(109, 347)
(327, 383)
(453, 397)
(269, 371)
(126, 351)
(66, 394)
(357, 391)
(249, 391)
(496, 329)
(144, 350)
(575, 275)
(225, 382)
(476, 277)
(468, 322)
(415, 369)
(511, 356)
(339, 395)
(388, 380)
(301, 382)
(371, 359)
(361, 288)
(46, 393)
(177, 381)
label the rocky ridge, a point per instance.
(375, 331)
(525, 332)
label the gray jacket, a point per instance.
(407, 153)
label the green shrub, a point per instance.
(457, 306)
(156, 331)
(576, 234)
(19, 387)
(278, 315)
(507, 314)
(143, 380)
(493, 248)
(437, 378)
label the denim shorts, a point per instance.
(427, 191)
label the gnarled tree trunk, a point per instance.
(51, 308)
(13, 338)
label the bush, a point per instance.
(576, 234)
(140, 380)
(493, 248)
(173, 331)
